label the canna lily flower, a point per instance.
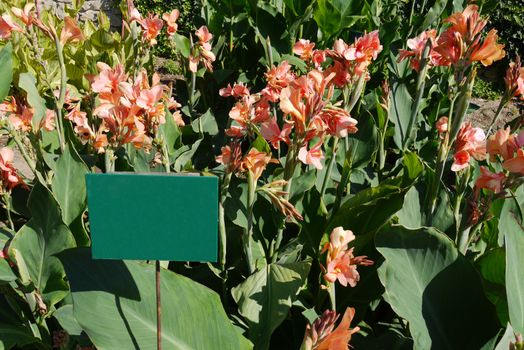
(489, 51)
(470, 142)
(202, 51)
(25, 14)
(313, 156)
(503, 144)
(231, 157)
(171, 19)
(322, 335)
(255, 162)
(442, 125)
(338, 121)
(516, 164)
(71, 32)
(203, 35)
(272, 133)
(7, 26)
(150, 97)
(417, 46)
(490, 181)
(238, 90)
(22, 121)
(304, 49)
(468, 22)
(278, 78)
(48, 123)
(9, 175)
(152, 26)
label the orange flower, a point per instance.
(231, 157)
(255, 162)
(489, 51)
(321, 336)
(312, 156)
(171, 19)
(468, 22)
(202, 51)
(490, 181)
(503, 144)
(339, 122)
(417, 46)
(514, 79)
(470, 142)
(71, 32)
(7, 26)
(272, 133)
(516, 164)
(238, 90)
(442, 125)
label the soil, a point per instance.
(483, 116)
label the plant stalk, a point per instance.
(501, 106)
(61, 97)
(329, 166)
(222, 221)
(248, 232)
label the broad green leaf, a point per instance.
(400, 111)
(12, 335)
(69, 184)
(67, 320)
(364, 143)
(207, 122)
(6, 273)
(507, 339)
(6, 70)
(27, 82)
(434, 14)
(430, 284)
(410, 214)
(114, 303)
(184, 154)
(261, 145)
(182, 44)
(37, 242)
(265, 298)
(170, 134)
(334, 15)
(371, 208)
(514, 242)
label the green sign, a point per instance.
(153, 216)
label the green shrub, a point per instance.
(508, 19)
(486, 90)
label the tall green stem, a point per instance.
(421, 84)
(7, 202)
(248, 232)
(332, 296)
(61, 96)
(502, 103)
(222, 221)
(329, 166)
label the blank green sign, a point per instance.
(153, 216)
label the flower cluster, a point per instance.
(459, 45)
(514, 79)
(322, 334)
(130, 110)
(21, 116)
(201, 51)
(340, 261)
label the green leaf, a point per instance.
(265, 298)
(39, 240)
(507, 339)
(6, 70)
(67, 320)
(207, 122)
(435, 289)
(12, 335)
(400, 112)
(334, 15)
(434, 14)
(27, 82)
(170, 133)
(69, 184)
(514, 242)
(261, 145)
(182, 44)
(364, 143)
(410, 214)
(6, 273)
(114, 303)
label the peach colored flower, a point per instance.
(238, 90)
(202, 51)
(10, 177)
(442, 125)
(312, 156)
(22, 121)
(273, 134)
(171, 19)
(468, 22)
(203, 35)
(48, 123)
(304, 49)
(108, 80)
(152, 26)
(516, 164)
(323, 335)
(25, 14)
(255, 162)
(490, 181)
(230, 157)
(470, 142)
(277, 79)
(338, 121)
(417, 46)
(7, 26)
(504, 144)
(71, 32)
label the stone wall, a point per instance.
(89, 10)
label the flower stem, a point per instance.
(248, 232)
(502, 103)
(7, 202)
(332, 296)
(61, 96)
(329, 166)
(222, 221)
